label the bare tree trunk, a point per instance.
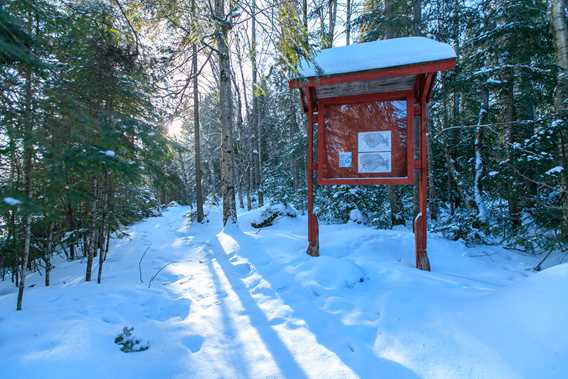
(196, 136)
(28, 166)
(396, 216)
(49, 251)
(332, 16)
(433, 202)
(389, 19)
(558, 9)
(348, 22)
(249, 187)
(305, 13)
(104, 226)
(239, 149)
(248, 159)
(479, 202)
(227, 149)
(212, 175)
(255, 115)
(93, 243)
(507, 121)
(417, 16)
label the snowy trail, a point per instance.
(243, 303)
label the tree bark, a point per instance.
(255, 115)
(479, 166)
(92, 247)
(305, 13)
(348, 10)
(332, 16)
(104, 226)
(196, 131)
(47, 256)
(396, 208)
(507, 116)
(28, 166)
(417, 17)
(389, 19)
(558, 9)
(225, 96)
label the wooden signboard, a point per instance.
(363, 102)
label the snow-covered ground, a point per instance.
(244, 303)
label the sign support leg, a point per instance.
(422, 261)
(313, 230)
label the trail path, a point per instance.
(243, 303)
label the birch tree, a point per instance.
(224, 25)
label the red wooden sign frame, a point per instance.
(374, 179)
(417, 156)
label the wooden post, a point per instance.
(422, 261)
(313, 238)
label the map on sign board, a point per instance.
(345, 159)
(374, 152)
(375, 162)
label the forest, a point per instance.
(112, 109)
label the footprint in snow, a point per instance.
(110, 318)
(193, 343)
(243, 268)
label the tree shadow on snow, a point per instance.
(329, 331)
(280, 353)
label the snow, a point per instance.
(375, 55)
(239, 302)
(356, 216)
(11, 201)
(555, 170)
(109, 153)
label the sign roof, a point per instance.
(375, 55)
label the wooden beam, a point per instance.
(381, 85)
(407, 70)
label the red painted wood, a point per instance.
(427, 86)
(335, 127)
(367, 181)
(415, 69)
(313, 248)
(422, 261)
(343, 118)
(398, 95)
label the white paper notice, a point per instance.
(375, 162)
(375, 152)
(371, 142)
(345, 159)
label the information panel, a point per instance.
(364, 141)
(374, 152)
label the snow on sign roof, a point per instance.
(375, 55)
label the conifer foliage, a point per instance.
(82, 152)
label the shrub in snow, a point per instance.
(462, 225)
(129, 343)
(357, 217)
(271, 213)
(335, 204)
